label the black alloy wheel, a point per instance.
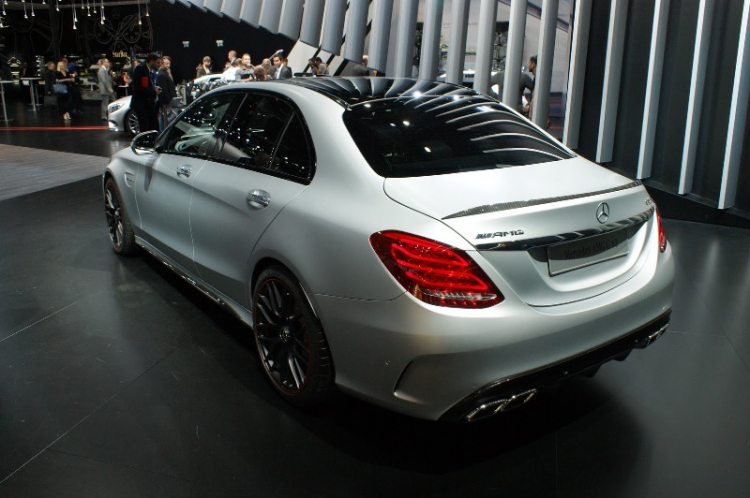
(292, 348)
(120, 230)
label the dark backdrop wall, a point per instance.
(673, 99)
(164, 30)
(177, 23)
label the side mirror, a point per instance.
(145, 142)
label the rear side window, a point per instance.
(434, 135)
(268, 135)
(294, 155)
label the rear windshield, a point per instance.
(436, 135)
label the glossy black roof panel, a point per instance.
(353, 91)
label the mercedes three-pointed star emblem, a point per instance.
(602, 212)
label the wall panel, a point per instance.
(675, 87)
(717, 96)
(632, 87)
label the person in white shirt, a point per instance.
(232, 73)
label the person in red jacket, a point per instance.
(146, 93)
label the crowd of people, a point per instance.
(152, 97)
(238, 68)
(151, 83)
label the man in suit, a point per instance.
(106, 89)
(166, 83)
(282, 71)
(146, 93)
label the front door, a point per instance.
(164, 190)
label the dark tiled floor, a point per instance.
(116, 379)
(45, 129)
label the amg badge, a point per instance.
(499, 234)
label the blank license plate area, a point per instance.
(576, 254)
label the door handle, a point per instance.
(184, 171)
(258, 199)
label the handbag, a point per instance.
(60, 89)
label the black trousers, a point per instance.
(148, 117)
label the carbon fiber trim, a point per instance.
(495, 208)
(634, 223)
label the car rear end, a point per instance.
(553, 264)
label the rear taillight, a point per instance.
(662, 235)
(433, 272)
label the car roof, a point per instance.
(358, 90)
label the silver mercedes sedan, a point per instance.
(416, 244)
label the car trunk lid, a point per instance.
(554, 232)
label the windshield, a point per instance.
(435, 135)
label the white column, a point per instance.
(737, 115)
(545, 58)
(334, 26)
(514, 53)
(251, 12)
(291, 18)
(356, 30)
(457, 43)
(195, 3)
(270, 15)
(232, 9)
(380, 32)
(577, 73)
(428, 59)
(485, 40)
(407, 23)
(312, 21)
(695, 100)
(653, 88)
(213, 5)
(618, 15)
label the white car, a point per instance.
(413, 243)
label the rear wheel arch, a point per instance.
(291, 345)
(268, 262)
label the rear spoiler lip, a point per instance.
(528, 244)
(506, 206)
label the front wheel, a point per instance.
(292, 348)
(120, 230)
(132, 125)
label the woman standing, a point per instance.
(63, 99)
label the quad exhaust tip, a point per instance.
(500, 405)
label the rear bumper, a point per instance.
(506, 394)
(438, 363)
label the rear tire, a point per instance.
(120, 230)
(292, 348)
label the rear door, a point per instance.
(264, 163)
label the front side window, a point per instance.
(197, 131)
(434, 135)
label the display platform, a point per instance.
(119, 379)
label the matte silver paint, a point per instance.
(387, 346)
